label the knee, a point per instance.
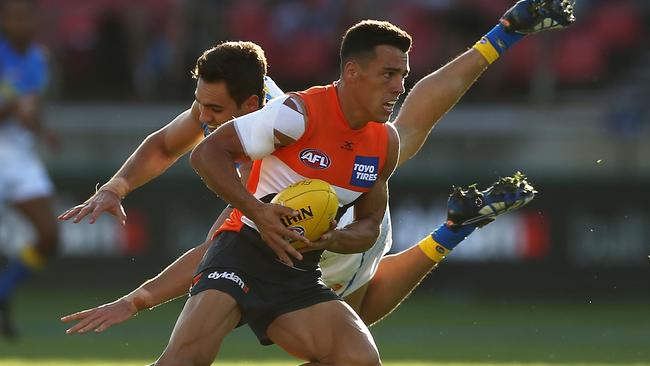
(369, 358)
(358, 357)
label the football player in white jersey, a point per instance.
(372, 284)
(24, 183)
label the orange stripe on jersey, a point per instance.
(233, 222)
(196, 278)
(254, 176)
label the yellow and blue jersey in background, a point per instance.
(21, 74)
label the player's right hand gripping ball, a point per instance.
(316, 203)
(532, 16)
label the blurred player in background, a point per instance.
(24, 183)
(352, 277)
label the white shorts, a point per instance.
(345, 273)
(22, 176)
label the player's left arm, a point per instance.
(432, 97)
(369, 210)
(435, 94)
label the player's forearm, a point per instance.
(172, 282)
(356, 237)
(216, 166)
(432, 97)
(147, 162)
(159, 151)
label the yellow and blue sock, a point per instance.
(19, 269)
(496, 42)
(443, 240)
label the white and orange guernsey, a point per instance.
(348, 159)
(239, 263)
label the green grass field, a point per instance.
(258, 363)
(426, 330)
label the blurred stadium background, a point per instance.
(565, 280)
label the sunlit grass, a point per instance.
(425, 330)
(63, 362)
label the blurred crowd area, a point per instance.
(143, 50)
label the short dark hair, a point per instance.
(241, 65)
(361, 39)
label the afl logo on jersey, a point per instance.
(314, 159)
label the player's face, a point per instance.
(18, 21)
(381, 81)
(215, 103)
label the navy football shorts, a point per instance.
(243, 266)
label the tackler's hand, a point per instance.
(101, 201)
(102, 317)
